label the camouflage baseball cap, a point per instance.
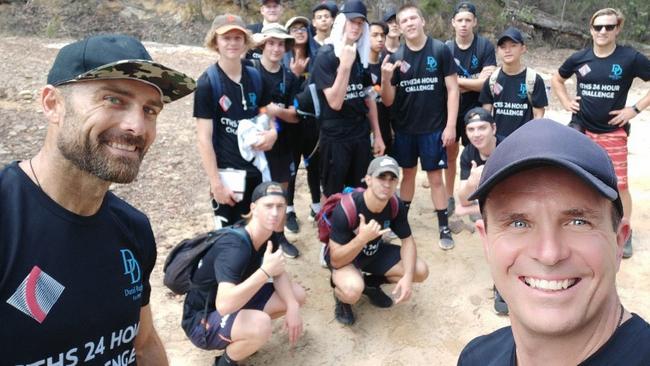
(115, 56)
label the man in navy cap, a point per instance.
(75, 259)
(553, 234)
(323, 15)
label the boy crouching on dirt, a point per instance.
(358, 248)
(250, 286)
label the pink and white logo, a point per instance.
(36, 294)
(584, 70)
(497, 89)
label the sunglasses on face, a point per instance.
(608, 27)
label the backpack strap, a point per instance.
(350, 210)
(493, 80)
(256, 77)
(531, 77)
(215, 81)
(394, 207)
(450, 45)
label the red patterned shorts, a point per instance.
(615, 143)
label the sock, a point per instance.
(290, 209)
(407, 205)
(373, 280)
(442, 218)
(225, 360)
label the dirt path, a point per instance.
(450, 308)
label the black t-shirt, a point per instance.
(341, 233)
(603, 83)
(420, 104)
(254, 53)
(470, 63)
(350, 122)
(511, 108)
(71, 287)
(226, 111)
(230, 259)
(628, 346)
(471, 153)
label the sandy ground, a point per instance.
(453, 306)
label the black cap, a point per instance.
(512, 34)
(478, 114)
(389, 14)
(263, 2)
(354, 9)
(546, 142)
(116, 56)
(465, 6)
(326, 5)
(268, 189)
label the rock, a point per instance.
(25, 95)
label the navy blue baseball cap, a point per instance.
(465, 6)
(268, 189)
(354, 9)
(117, 56)
(546, 142)
(512, 34)
(326, 5)
(389, 14)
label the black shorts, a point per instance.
(461, 134)
(385, 258)
(407, 148)
(343, 164)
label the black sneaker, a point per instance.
(292, 222)
(378, 297)
(221, 361)
(312, 215)
(446, 241)
(500, 305)
(343, 312)
(289, 250)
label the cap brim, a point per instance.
(260, 38)
(504, 38)
(532, 162)
(171, 84)
(382, 171)
(227, 28)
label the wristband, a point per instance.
(636, 109)
(266, 273)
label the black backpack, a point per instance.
(184, 258)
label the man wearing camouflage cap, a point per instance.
(75, 259)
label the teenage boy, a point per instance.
(393, 34)
(271, 11)
(279, 87)
(604, 74)
(218, 117)
(323, 15)
(419, 81)
(303, 137)
(378, 32)
(76, 260)
(357, 249)
(244, 285)
(348, 107)
(475, 58)
(553, 234)
(507, 92)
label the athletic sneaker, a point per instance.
(627, 249)
(321, 256)
(312, 215)
(292, 222)
(451, 206)
(289, 250)
(446, 241)
(221, 361)
(500, 305)
(343, 312)
(378, 297)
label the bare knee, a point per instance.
(421, 271)
(255, 326)
(350, 290)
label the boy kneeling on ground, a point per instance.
(251, 286)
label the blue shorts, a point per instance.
(428, 147)
(217, 336)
